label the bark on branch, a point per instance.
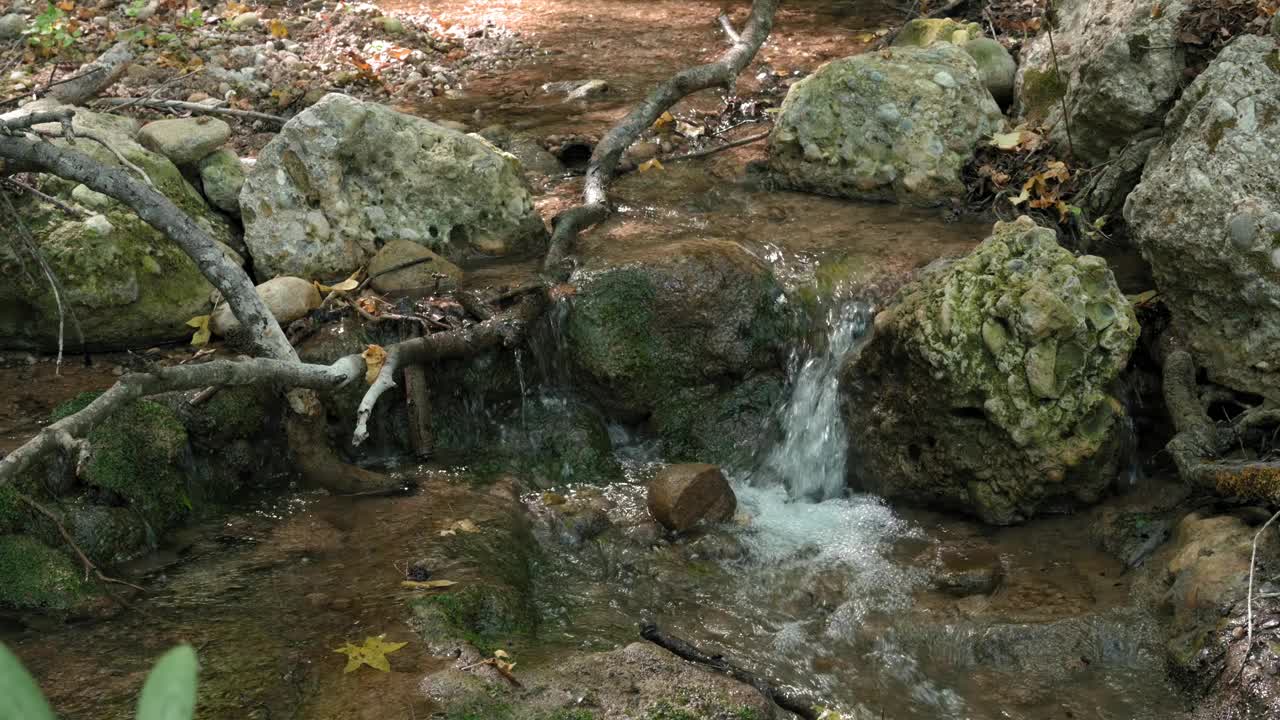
(159, 212)
(94, 77)
(790, 700)
(604, 159)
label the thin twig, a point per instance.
(66, 536)
(37, 92)
(1066, 112)
(69, 209)
(1253, 564)
(718, 148)
(158, 88)
(197, 108)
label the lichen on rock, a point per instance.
(986, 385)
(894, 126)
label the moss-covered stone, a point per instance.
(11, 511)
(1042, 90)
(35, 576)
(923, 32)
(649, 324)
(716, 425)
(990, 380)
(560, 440)
(126, 283)
(137, 457)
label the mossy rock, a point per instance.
(923, 32)
(12, 512)
(717, 425)
(989, 379)
(649, 323)
(137, 457)
(561, 440)
(126, 284)
(34, 576)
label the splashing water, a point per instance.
(810, 459)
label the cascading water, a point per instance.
(810, 459)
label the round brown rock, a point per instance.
(684, 496)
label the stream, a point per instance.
(819, 588)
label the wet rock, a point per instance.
(288, 298)
(561, 440)
(534, 158)
(108, 535)
(1131, 536)
(996, 67)
(344, 176)
(222, 178)
(1206, 216)
(35, 576)
(577, 89)
(1208, 568)
(895, 126)
(648, 322)
(986, 385)
(431, 273)
(721, 425)
(185, 141)
(966, 571)
(923, 32)
(127, 285)
(1118, 65)
(682, 497)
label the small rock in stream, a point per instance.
(684, 496)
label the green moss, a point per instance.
(1217, 131)
(481, 708)
(11, 511)
(1041, 90)
(234, 413)
(136, 456)
(33, 575)
(923, 32)
(485, 616)
(706, 424)
(610, 329)
(665, 710)
(1273, 60)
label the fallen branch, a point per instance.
(504, 328)
(729, 30)
(785, 698)
(68, 433)
(85, 562)
(94, 77)
(608, 152)
(197, 108)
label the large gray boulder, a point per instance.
(126, 284)
(898, 125)
(344, 177)
(185, 141)
(986, 385)
(1118, 65)
(1207, 217)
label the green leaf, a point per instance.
(170, 690)
(22, 697)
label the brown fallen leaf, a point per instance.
(427, 584)
(374, 356)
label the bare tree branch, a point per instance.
(604, 160)
(159, 212)
(94, 77)
(197, 108)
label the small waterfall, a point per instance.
(810, 458)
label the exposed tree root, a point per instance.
(603, 165)
(1197, 447)
(785, 698)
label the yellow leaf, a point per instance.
(663, 120)
(651, 164)
(347, 285)
(374, 356)
(373, 653)
(427, 584)
(1143, 299)
(278, 29)
(501, 654)
(201, 324)
(1007, 141)
(1025, 194)
(689, 130)
(1157, 10)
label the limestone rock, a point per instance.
(422, 276)
(244, 21)
(893, 126)
(1206, 216)
(996, 67)
(185, 141)
(923, 32)
(343, 177)
(222, 177)
(1119, 65)
(288, 298)
(985, 387)
(682, 497)
(127, 285)
(646, 323)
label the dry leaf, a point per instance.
(1156, 10)
(278, 29)
(374, 356)
(651, 164)
(373, 653)
(427, 584)
(201, 324)
(663, 121)
(689, 130)
(347, 285)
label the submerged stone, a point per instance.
(986, 386)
